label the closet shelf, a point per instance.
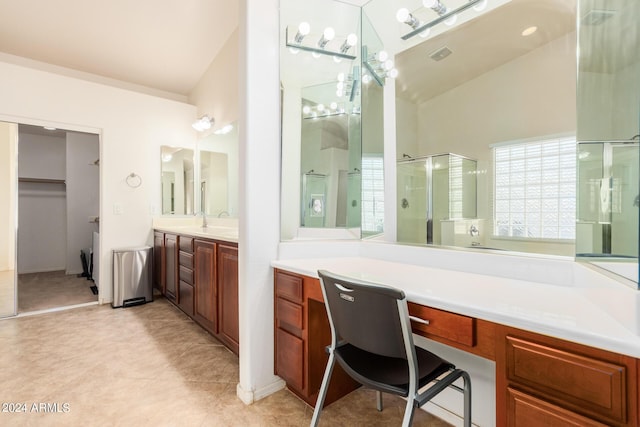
(43, 180)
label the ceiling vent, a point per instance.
(440, 54)
(597, 17)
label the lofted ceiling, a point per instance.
(163, 45)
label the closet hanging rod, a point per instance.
(42, 180)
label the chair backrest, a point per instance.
(364, 314)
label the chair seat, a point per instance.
(389, 374)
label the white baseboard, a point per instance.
(250, 396)
(443, 414)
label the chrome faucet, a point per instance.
(204, 218)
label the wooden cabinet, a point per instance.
(205, 308)
(185, 298)
(200, 276)
(158, 261)
(171, 267)
(540, 380)
(544, 381)
(302, 333)
(228, 312)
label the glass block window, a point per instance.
(372, 194)
(535, 189)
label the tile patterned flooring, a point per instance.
(41, 291)
(148, 365)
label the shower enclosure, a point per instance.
(314, 198)
(608, 199)
(432, 192)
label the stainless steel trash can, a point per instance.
(132, 275)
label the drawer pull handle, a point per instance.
(419, 320)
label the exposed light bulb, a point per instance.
(388, 64)
(436, 6)
(340, 77)
(306, 109)
(340, 86)
(429, 3)
(320, 107)
(451, 20)
(402, 15)
(329, 33)
(339, 93)
(315, 55)
(382, 56)
(337, 59)
(479, 7)
(425, 33)
(333, 105)
(294, 50)
(366, 79)
(303, 30)
(393, 73)
(351, 41)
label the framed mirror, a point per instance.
(177, 180)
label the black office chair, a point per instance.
(371, 339)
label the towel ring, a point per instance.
(133, 180)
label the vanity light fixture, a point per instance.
(203, 123)
(378, 66)
(323, 45)
(224, 130)
(449, 17)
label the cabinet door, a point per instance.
(171, 266)
(158, 261)
(205, 298)
(228, 296)
(290, 359)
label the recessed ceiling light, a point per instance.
(49, 127)
(529, 31)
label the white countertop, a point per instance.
(606, 316)
(227, 234)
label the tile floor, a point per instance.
(41, 291)
(147, 366)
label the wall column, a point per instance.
(259, 202)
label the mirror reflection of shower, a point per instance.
(437, 201)
(608, 199)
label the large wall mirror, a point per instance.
(218, 173)
(177, 180)
(505, 138)
(321, 112)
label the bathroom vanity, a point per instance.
(555, 364)
(197, 270)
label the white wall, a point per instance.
(132, 127)
(42, 207)
(83, 191)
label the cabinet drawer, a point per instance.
(186, 244)
(527, 411)
(186, 298)
(186, 275)
(290, 359)
(185, 259)
(450, 326)
(289, 287)
(289, 316)
(583, 384)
